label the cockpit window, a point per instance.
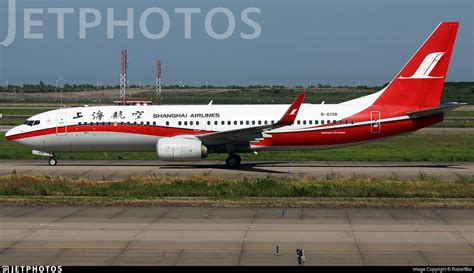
(31, 122)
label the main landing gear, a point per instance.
(233, 161)
(52, 161)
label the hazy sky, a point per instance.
(334, 41)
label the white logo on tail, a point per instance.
(428, 64)
(293, 112)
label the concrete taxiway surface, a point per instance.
(224, 236)
(113, 169)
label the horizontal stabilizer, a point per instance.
(435, 111)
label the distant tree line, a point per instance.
(42, 87)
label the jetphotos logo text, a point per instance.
(154, 23)
(31, 269)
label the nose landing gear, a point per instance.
(233, 161)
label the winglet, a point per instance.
(290, 116)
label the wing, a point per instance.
(435, 111)
(245, 135)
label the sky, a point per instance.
(337, 42)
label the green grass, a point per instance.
(453, 91)
(401, 148)
(23, 111)
(228, 188)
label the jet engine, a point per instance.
(180, 149)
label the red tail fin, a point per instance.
(421, 81)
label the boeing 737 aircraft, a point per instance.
(190, 132)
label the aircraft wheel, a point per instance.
(233, 161)
(52, 161)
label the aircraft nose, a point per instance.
(10, 133)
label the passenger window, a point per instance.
(298, 122)
(142, 123)
(197, 122)
(135, 123)
(185, 123)
(110, 123)
(208, 123)
(328, 121)
(222, 122)
(273, 122)
(97, 124)
(266, 122)
(247, 122)
(154, 123)
(235, 122)
(352, 122)
(346, 122)
(310, 122)
(167, 123)
(253, 122)
(79, 124)
(334, 121)
(229, 122)
(304, 122)
(215, 122)
(316, 122)
(241, 122)
(259, 122)
(121, 123)
(147, 123)
(190, 123)
(322, 122)
(179, 123)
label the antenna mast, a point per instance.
(123, 76)
(158, 82)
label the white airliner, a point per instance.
(190, 132)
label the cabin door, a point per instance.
(375, 122)
(61, 128)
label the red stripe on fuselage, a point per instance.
(346, 135)
(130, 129)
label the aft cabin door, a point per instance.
(61, 129)
(375, 122)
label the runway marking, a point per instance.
(57, 255)
(137, 235)
(118, 214)
(446, 222)
(282, 250)
(355, 239)
(245, 237)
(424, 258)
(178, 256)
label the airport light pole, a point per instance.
(61, 81)
(158, 82)
(123, 76)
